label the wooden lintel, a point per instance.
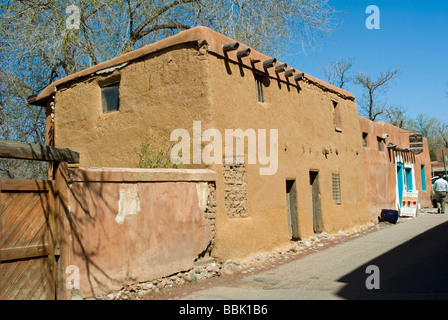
(30, 151)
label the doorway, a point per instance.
(291, 203)
(315, 201)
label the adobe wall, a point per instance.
(380, 166)
(179, 85)
(307, 141)
(157, 95)
(135, 225)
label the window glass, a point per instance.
(110, 98)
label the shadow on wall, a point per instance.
(78, 238)
(135, 225)
(414, 270)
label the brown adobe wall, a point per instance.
(157, 95)
(307, 141)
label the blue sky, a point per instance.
(413, 35)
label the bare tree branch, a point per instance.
(372, 105)
(337, 73)
(139, 32)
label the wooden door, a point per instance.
(315, 201)
(291, 202)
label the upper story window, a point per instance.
(110, 97)
(364, 139)
(380, 143)
(337, 120)
(259, 87)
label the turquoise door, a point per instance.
(400, 181)
(423, 176)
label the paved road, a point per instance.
(411, 256)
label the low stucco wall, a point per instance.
(134, 225)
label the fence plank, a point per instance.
(24, 252)
(26, 185)
(30, 151)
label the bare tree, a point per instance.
(371, 105)
(33, 29)
(425, 125)
(396, 116)
(37, 46)
(337, 72)
(442, 130)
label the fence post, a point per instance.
(63, 239)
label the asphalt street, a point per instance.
(406, 261)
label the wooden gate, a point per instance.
(31, 213)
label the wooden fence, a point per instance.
(32, 225)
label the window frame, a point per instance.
(259, 87)
(336, 187)
(337, 120)
(104, 102)
(365, 143)
(381, 143)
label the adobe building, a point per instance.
(396, 161)
(202, 82)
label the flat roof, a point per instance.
(200, 35)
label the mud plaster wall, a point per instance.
(129, 226)
(166, 91)
(307, 141)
